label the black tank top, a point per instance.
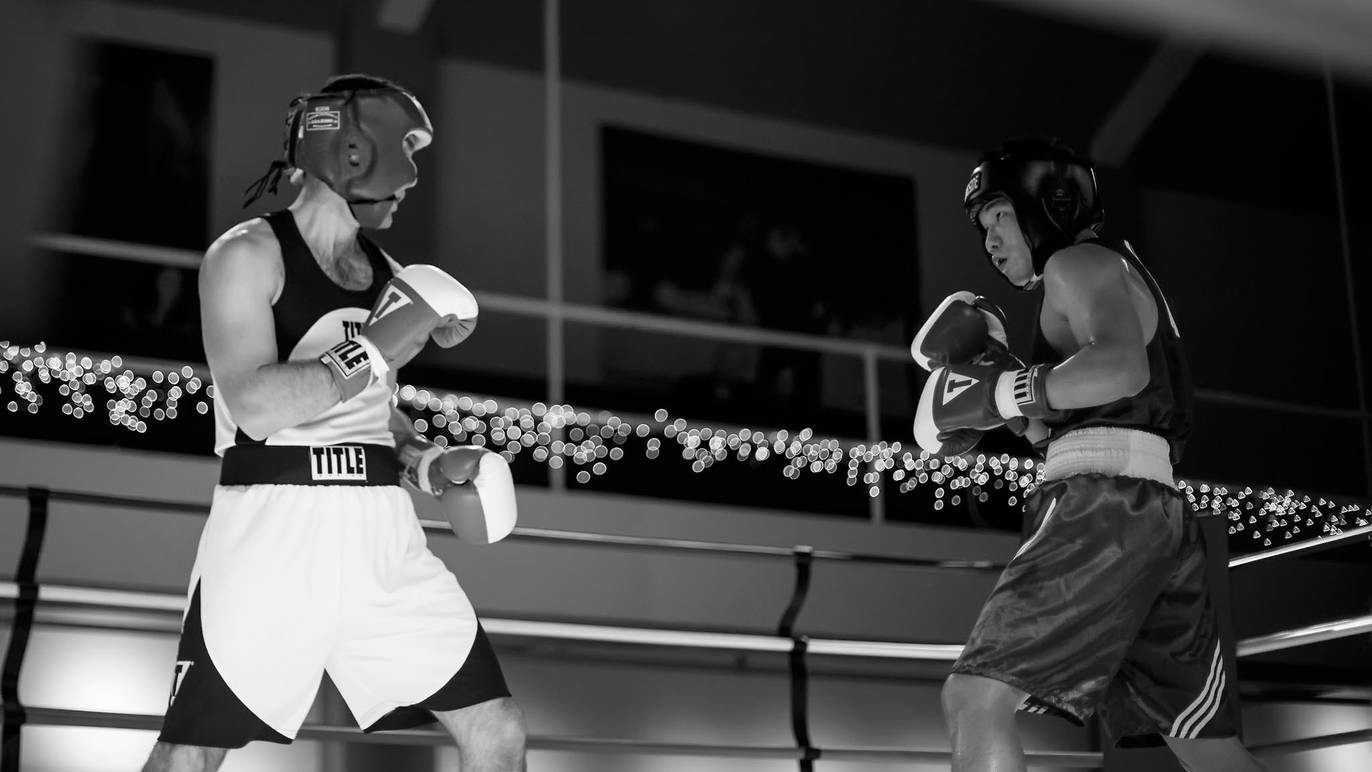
(307, 293)
(1165, 406)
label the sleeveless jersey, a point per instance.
(1165, 406)
(311, 315)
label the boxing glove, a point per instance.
(420, 301)
(964, 329)
(474, 486)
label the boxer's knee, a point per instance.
(968, 696)
(492, 732)
(169, 757)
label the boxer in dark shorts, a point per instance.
(1105, 607)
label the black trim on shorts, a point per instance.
(478, 680)
(345, 464)
(202, 710)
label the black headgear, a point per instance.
(352, 136)
(1052, 189)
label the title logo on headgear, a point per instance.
(323, 118)
(972, 185)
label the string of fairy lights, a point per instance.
(589, 443)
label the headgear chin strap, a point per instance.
(353, 140)
(1052, 190)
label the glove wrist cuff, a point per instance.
(354, 364)
(378, 360)
(1023, 393)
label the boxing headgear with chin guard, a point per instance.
(1053, 192)
(352, 137)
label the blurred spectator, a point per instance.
(136, 171)
(158, 315)
(727, 300)
(789, 293)
(751, 240)
(766, 278)
(140, 151)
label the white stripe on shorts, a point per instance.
(1203, 708)
(1042, 527)
(1216, 699)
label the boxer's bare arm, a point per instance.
(1088, 287)
(239, 278)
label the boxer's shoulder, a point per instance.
(1086, 260)
(250, 240)
(248, 252)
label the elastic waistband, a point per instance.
(310, 465)
(1111, 451)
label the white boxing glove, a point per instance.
(419, 301)
(475, 487)
(422, 297)
(964, 329)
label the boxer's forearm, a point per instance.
(1098, 374)
(280, 395)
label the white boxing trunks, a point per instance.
(313, 560)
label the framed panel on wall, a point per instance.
(706, 232)
(136, 170)
(137, 166)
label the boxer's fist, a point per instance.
(957, 405)
(475, 487)
(418, 302)
(964, 329)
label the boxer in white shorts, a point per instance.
(312, 558)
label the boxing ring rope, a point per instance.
(33, 593)
(1313, 545)
(139, 600)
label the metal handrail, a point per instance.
(518, 304)
(636, 320)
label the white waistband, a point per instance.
(1112, 451)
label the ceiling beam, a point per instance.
(1305, 32)
(402, 16)
(1143, 101)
